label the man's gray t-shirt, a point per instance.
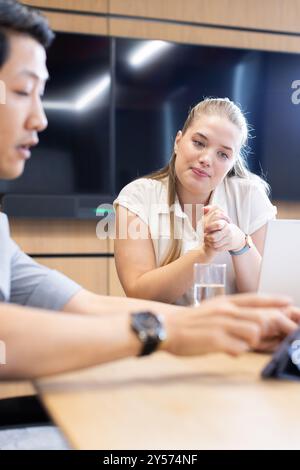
(25, 282)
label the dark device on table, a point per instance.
(285, 363)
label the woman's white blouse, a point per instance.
(243, 200)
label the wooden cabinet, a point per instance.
(57, 236)
(90, 273)
(114, 285)
(70, 246)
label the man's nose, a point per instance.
(37, 120)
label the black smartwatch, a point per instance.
(150, 330)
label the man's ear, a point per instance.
(2, 92)
(177, 140)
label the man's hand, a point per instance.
(292, 312)
(229, 324)
(269, 343)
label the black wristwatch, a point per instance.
(150, 330)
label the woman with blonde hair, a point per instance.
(203, 206)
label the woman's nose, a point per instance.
(205, 157)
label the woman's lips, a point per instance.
(200, 173)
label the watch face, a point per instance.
(150, 330)
(147, 321)
(147, 325)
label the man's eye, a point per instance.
(22, 93)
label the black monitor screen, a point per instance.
(158, 82)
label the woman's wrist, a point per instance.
(206, 254)
(246, 246)
(240, 241)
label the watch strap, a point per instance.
(245, 248)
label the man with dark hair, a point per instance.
(91, 329)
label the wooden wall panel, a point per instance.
(90, 273)
(273, 15)
(57, 236)
(69, 23)
(278, 15)
(99, 6)
(110, 245)
(114, 285)
(200, 35)
(288, 210)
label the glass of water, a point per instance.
(209, 281)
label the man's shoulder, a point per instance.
(3, 217)
(4, 224)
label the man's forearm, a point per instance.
(88, 303)
(40, 343)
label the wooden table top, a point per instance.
(164, 402)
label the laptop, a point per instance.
(280, 268)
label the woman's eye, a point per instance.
(223, 155)
(198, 143)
